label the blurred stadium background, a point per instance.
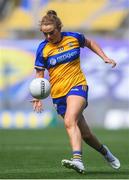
(106, 21)
(29, 145)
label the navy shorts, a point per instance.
(60, 103)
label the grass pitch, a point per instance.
(37, 154)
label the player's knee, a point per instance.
(69, 122)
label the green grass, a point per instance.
(36, 154)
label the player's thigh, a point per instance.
(75, 105)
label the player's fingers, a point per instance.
(113, 64)
(39, 108)
(34, 105)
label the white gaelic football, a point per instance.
(39, 88)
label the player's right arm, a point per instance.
(39, 67)
(37, 103)
(39, 73)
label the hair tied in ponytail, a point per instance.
(52, 12)
(51, 18)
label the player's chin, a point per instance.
(51, 40)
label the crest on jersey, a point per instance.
(52, 61)
(70, 44)
(61, 48)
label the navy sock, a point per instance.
(77, 155)
(102, 150)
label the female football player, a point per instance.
(59, 53)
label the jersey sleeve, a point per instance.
(39, 61)
(79, 36)
(81, 39)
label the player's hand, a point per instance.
(110, 61)
(37, 105)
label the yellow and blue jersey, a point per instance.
(62, 60)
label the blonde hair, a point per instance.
(51, 18)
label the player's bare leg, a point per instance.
(88, 136)
(75, 106)
(92, 141)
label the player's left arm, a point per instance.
(98, 50)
